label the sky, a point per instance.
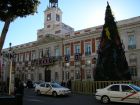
(79, 14)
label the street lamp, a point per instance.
(11, 71)
(88, 69)
(78, 62)
(81, 70)
(67, 73)
(10, 55)
(94, 62)
(67, 64)
(3, 55)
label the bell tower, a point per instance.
(53, 15)
(53, 25)
(53, 3)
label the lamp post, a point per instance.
(81, 70)
(11, 71)
(10, 58)
(88, 69)
(94, 62)
(67, 73)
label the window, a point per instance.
(67, 75)
(57, 17)
(67, 51)
(21, 56)
(47, 85)
(131, 42)
(58, 31)
(114, 88)
(133, 71)
(77, 48)
(27, 56)
(42, 85)
(33, 55)
(126, 89)
(48, 26)
(17, 57)
(40, 53)
(87, 49)
(57, 51)
(48, 52)
(48, 17)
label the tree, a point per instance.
(12, 9)
(111, 62)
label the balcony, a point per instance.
(34, 62)
(87, 53)
(58, 58)
(131, 47)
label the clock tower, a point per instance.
(53, 15)
(53, 24)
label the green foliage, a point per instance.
(111, 62)
(11, 9)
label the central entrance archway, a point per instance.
(47, 75)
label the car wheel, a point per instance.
(38, 92)
(54, 94)
(105, 99)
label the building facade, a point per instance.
(60, 53)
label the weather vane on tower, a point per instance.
(53, 3)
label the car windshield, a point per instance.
(135, 87)
(56, 85)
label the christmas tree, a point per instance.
(111, 62)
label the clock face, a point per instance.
(57, 17)
(48, 17)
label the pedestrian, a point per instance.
(69, 84)
(63, 83)
(19, 87)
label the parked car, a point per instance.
(51, 88)
(37, 83)
(126, 93)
